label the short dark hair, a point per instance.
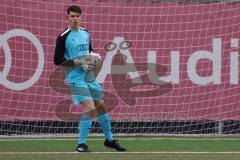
(74, 8)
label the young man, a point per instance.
(73, 44)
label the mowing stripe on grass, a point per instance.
(40, 153)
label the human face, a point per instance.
(74, 19)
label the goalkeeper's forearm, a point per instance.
(72, 62)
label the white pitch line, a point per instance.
(124, 139)
(42, 153)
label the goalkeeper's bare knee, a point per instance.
(100, 107)
(89, 108)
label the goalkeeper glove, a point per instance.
(96, 60)
(77, 61)
(88, 67)
(96, 55)
(89, 62)
(81, 61)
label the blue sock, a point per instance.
(84, 128)
(104, 123)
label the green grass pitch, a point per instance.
(139, 148)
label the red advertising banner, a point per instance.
(161, 60)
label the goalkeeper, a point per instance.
(73, 50)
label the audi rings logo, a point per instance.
(8, 59)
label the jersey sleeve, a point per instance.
(59, 51)
(90, 47)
